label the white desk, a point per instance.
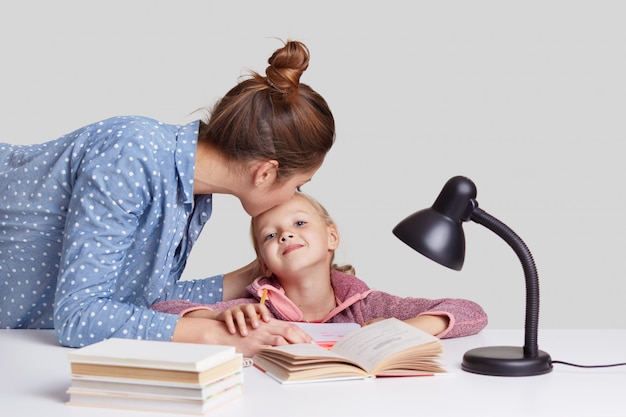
(34, 374)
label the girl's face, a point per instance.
(292, 237)
(268, 195)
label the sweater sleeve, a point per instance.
(465, 317)
(178, 307)
(182, 307)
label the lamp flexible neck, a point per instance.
(531, 348)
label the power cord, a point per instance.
(589, 366)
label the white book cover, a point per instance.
(153, 354)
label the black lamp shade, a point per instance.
(435, 236)
(437, 232)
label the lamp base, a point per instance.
(505, 361)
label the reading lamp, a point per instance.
(437, 233)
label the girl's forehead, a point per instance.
(296, 206)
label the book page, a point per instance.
(375, 342)
(299, 353)
(327, 334)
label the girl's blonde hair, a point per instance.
(325, 216)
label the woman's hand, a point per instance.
(271, 333)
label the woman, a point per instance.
(98, 224)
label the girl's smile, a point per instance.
(292, 248)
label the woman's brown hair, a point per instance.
(274, 117)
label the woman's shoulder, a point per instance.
(131, 131)
(122, 124)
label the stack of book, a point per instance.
(155, 376)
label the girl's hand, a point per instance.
(242, 315)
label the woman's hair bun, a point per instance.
(286, 67)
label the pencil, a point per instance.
(263, 298)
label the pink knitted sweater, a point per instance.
(356, 302)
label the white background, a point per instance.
(526, 98)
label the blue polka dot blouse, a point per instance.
(96, 226)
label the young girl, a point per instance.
(295, 244)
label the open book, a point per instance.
(389, 347)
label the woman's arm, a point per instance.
(118, 256)
(273, 333)
(100, 229)
(235, 282)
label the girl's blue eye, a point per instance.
(270, 236)
(300, 223)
